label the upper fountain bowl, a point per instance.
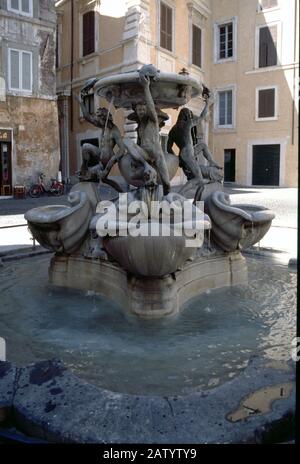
(169, 90)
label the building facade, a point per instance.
(245, 52)
(29, 140)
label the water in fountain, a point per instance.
(204, 346)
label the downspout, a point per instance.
(294, 74)
(72, 65)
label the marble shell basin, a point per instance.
(156, 256)
(170, 90)
(148, 256)
(125, 168)
(236, 227)
(61, 228)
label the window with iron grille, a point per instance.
(225, 108)
(166, 26)
(88, 33)
(267, 46)
(266, 103)
(225, 39)
(196, 46)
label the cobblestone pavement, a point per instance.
(282, 235)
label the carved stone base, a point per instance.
(149, 297)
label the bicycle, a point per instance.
(56, 188)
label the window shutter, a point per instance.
(14, 70)
(166, 26)
(169, 28)
(196, 46)
(26, 71)
(267, 46)
(88, 33)
(266, 103)
(163, 42)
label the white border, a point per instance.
(269, 118)
(278, 44)
(19, 11)
(20, 89)
(232, 20)
(232, 87)
(171, 5)
(96, 37)
(271, 141)
(191, 24)
(13, 157)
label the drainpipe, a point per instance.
(294, 74)
(72, 65)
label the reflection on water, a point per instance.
(206, 345)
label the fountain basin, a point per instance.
(120, 375)
(61, 228)
(236, 227)
(168, 91)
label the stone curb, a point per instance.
(51, 403)
(23, 253)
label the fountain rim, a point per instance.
(132, 77)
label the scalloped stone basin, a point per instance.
(169, 91)
(149, 256)
(61, 228)
(236, 227)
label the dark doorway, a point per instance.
(266, 164)
(5, 168)
(229, 165)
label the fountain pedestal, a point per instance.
(149, 297)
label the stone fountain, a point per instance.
(149, 249)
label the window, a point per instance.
(225, 41)
(20, 70)
(267, 46)
(88, 33)
(225, 118)
(266, 103)
(196, 46)
(23, 7)
(166, 27)
(265, 4)
(89, 103)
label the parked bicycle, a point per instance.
(56, 188)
